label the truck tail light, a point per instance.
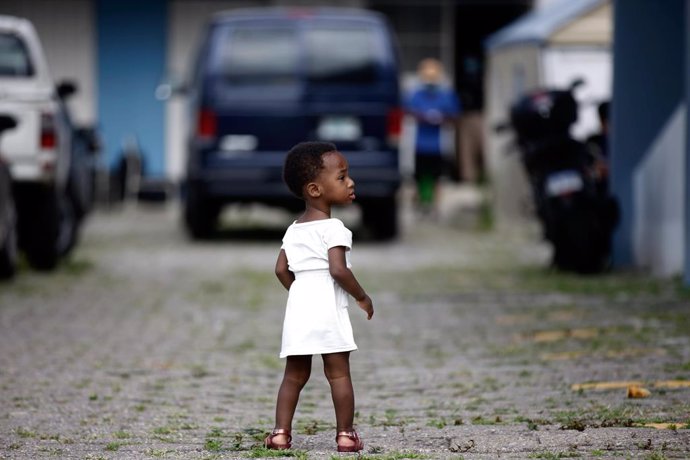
(207, 124)
(48, 135)
(394, 126)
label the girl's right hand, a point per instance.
(367, 305)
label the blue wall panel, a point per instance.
(131, 63)
(648, 83)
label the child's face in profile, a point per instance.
(337, 186)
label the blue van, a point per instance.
(266, 79)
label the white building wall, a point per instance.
(658, 182)
(68, 35)
(510, 72)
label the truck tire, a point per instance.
(68, 226)
(380, 216)
(8, 247)
(37, 209)
(200, 215)
(8, 221)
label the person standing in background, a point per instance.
(470, 132)
(432, 105)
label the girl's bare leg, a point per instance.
(297, 372)
(337, 370)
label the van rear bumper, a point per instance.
(258, 176)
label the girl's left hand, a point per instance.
(367, 305)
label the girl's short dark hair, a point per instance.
(303, 164)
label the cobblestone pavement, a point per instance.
(145, 345)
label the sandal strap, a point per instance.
(350, 434)
(283, 431)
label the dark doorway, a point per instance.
(475, 20)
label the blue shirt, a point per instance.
(431, 105)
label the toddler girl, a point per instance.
(313, 265)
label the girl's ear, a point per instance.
(313, 190)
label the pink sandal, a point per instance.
(353, 436)
(270, 444)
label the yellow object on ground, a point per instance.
(636, 391)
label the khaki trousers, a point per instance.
(471, 145)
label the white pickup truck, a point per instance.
(47, 179)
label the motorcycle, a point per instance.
(577, 214)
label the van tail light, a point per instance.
(207, 124)
(48, 136)
(394, 126)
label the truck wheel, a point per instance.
(39, 229)
(200, 216)
(8, 247)
(68, 226)
(380, 216)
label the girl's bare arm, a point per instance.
(285, 276)
(337, 266)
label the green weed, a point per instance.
(396, 455)
(270, 362)
(199, 371)
(554, 455)
(437, 422)
(162, 430)
(121, 435)
(24, 433)
(479, 420)
(213, 445)
(390, 419)
(77, 267)
(485, 219)
(54, 451)
(159, 453)
(312, 426)
(113, 446)
(216, 432)
(262, 452)
(656, 456)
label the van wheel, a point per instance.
(380, 216)
(200, 216)
(39, 228)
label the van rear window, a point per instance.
(340, 55)
(259, 56)
(14, 57)
(263, 55)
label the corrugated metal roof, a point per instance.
(538, 25)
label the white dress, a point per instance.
(316, 317)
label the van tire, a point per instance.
(200, 216)
(380, 217)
